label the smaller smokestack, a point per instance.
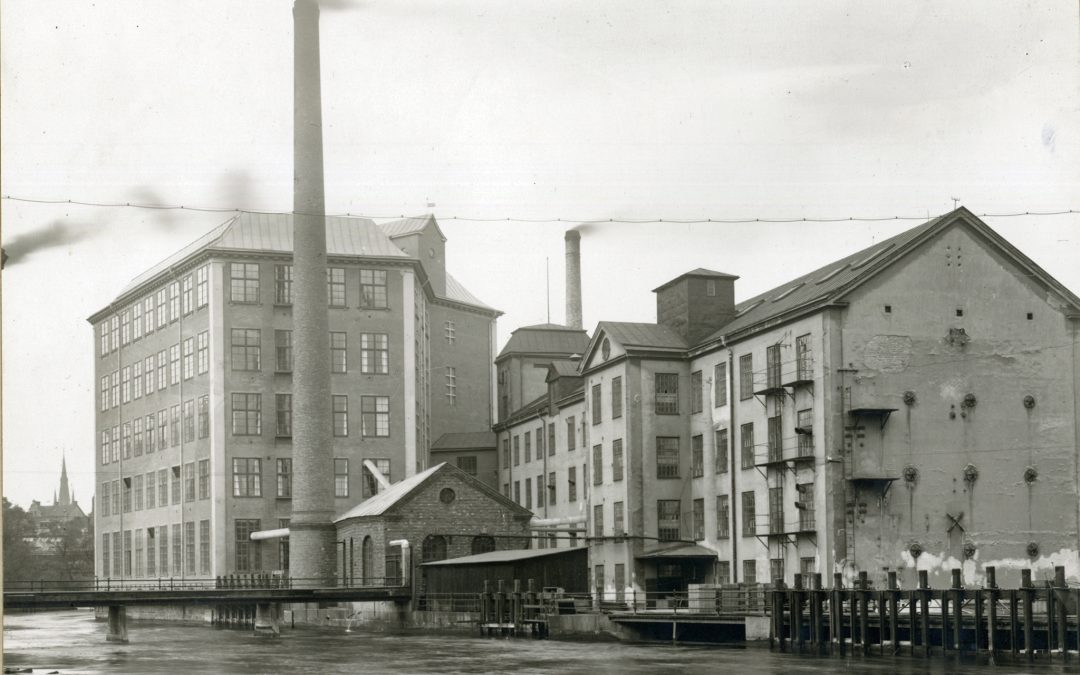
(573, 278)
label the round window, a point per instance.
(446, 495)
(605, 349)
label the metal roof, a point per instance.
(465, 440)
(699, 272)
(458, 293)
(644, 335)
(407, 226)
(547, 338)
(683, 551)
(509, 555)
(380, 503)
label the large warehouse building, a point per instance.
(194, 362)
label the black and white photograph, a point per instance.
(434, 336)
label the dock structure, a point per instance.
(1025, 621)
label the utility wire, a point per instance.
(584, 221)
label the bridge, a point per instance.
(264, 592)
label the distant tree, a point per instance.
(73, 556)
(19, 559)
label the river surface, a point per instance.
(72, 642)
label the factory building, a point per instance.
(913, 406)
(194, 406)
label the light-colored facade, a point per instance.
(194, 362)
(914, 406)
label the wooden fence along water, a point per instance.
(924, 621)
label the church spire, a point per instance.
(65, 494)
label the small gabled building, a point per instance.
(439, 513)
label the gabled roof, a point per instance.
(465, 440)
(700, 272)
(527, 411)
(833, 281)
(546, 338)
(641, 335)
(273, 232)
(563, 369)
(397, 493)
(508, 555)
(408, 226)
(458, 293)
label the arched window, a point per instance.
(434, 548)
(483, 544)
(366, 562)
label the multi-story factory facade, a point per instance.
(194, 362)
(914, 406)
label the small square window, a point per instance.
(959, 312)
(1030, 316)
(888, 309)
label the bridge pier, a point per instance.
(268, 619)
(117, 624)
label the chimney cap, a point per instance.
(700, 273)
(572, 234)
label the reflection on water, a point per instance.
(72, 642)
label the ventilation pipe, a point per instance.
(370, 466)
(573, 278)
(406, 559)
(263, 535)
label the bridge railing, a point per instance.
(256, 580)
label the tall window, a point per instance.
(127, 494)
(163, 549)
(163, 487)
(596, 398)
(341, 415)
(114, 381)
(283, 415)
(805, 431)
(370, 486)
(174, 425)
(528, 493)
(189, 482)
(597, 464)
(338, 355)
(723, 517)
(772, 366)
(151, 492)
(283, 284)
(202, 286)
(667, 456)
(720, 439)
(373, 289)
(551, 488)
(698, 511)
(517, 450)
(451, 386)
(374, 353)
(667, 393)
(248, 557)
(467, 463)
(114, 332)
(127, 440)
(375, 415)
(136, 320)
(148, 373)
(749, 514)
(696, 393)
(571, 434)
(162, 308)
(104, 393)
(137, 489)
(805, 506)
(247, 477)
(776, 569)
(598, 520)
(176, 496)
(137, 379)
(720, 384)
(125, 384)
(246, 414)
(551, 439)
(667, 519)
(187, 296)
(571, 484)
(203, 352)
(246, 349)
(746, 443)
(804, 364)
(174, 301)
(618, 526)
(174, 364)
(284, 478)
(617, 469)
(746, 376)
(204, 479)
(776, 510)
(148, 315)
(189, 420)
(204, 416)
(616, 397)
(204, 547)
(151, 552)
(450, 331)
(776, 446)
(528, 447)
(335, 286)
(341, 477)
(244, 282)
(540, 491)
(697, 456)
(105, 498)
(283, 344)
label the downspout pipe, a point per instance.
(731, 460)
(406, 559)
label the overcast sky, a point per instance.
(533, 110)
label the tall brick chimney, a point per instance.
(312, 551)
(573, 278)
(696, 304)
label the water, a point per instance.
(72, 642)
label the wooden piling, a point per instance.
(797, 613)
(1028, 596)
(816, 607)
(958, 609)
(992, 598)
(1014, 618)
(836, 615)
(864, 613)
(778, 612)
(924, 586)
(894, 598)
(1063, 610)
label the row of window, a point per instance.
(616, 400)
(244, 286)
(155, 311)
(168, 428)
(138, 492)
(146, 553)
(183, 360)
(246, 351)
(807, 565)
(545, 490)
(571, 443)
(247, 415)
(247, 477)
